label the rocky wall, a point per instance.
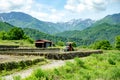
(72, 54)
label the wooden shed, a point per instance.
(43, 43)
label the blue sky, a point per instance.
(58, 4)
(62, 10)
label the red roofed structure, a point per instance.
(43, 43)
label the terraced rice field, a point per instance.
(9, 58)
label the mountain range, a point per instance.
(26, 21)
(107, 28)
(81, 31)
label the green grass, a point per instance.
(95, 67)
(17, 42)
(21, 66)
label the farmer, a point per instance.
(70, 48)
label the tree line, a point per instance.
(106, 45)
(15, 33)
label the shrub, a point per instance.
(39, 73)
(37, 60)
(31, 78)
(19, 64)
(98, 57)
(114, 57)
(60, 43)
(68, 69)
(16, 33)
(4, 35)
(22, 64)
(28, 62)
(56, 71)
(16, 77)
(30, 40)
(2, 66)
(117, 42)
(8, 65)
(113, 73)
(111, 61)
(68, 63)
(79, 62)
(87, 75)
(11, 65)
(74, 44)
(104, 44)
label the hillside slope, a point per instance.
(110, 19)
(26, 21)
(36, 34)
(99, 32)
(5, 26)
(106, 28)
(75, 24)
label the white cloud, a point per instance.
(4, 5)
(57, 16)
(13, 5)
(72, 8)
(69, 7)
(82, 5)
(37, 10)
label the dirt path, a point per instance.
(25, 73)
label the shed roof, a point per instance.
(42, 41)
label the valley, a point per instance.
(96, 48)
(83, 32)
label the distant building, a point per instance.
(43, 43)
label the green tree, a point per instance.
(60, 43)
(117, 42)
(103, 44)
(16, 33)
(74, 44)
(3, 35)
(30, 40)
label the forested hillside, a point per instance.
(35, 34)
(110, 19)
(100, 32)
(105, 29)
(7, 31)
(5, 26)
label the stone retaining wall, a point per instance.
(27, 50)
(72, 54)
(8, 46)
(49, 53)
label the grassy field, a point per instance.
(104, 66)
(95, 67)
(20, 43)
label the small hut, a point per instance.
(43, 43)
